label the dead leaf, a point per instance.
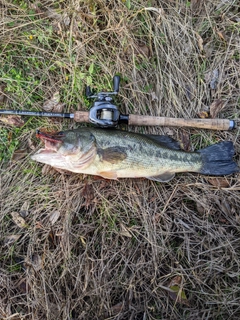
(87, 193)
(200, 208)
(36, 262)
(178, 294)
(222, 220)
(23, 286)
(39, 225)
(24, 211)
(203, 114)
(234, 18)
(143, 50)
(52, 238)
(185, 142)
(211, 78)
(13, 120)
(177, 280)
(117, 308)
(219, 182)
(221, 35)
(225, 207)
(66, 20)
(214, 79)
(18, 220)
(19, 154)
(189, 92)
(49, 104)
(200, 42)
(216, 107)
(31, 144)
(168, 131)
(124, 231)
(154, 97)
(53, 217)
(8, 240)
(53, 104)
(139, 49)
(208, 49)
(61, 18)
(58, 107)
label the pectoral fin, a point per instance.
(163, 177)
(108, 175)
(112, 154)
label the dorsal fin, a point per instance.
(165, 141)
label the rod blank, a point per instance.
(37, 113)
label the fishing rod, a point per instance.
(105, 114)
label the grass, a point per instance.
(117, 245)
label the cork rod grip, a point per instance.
(137, 120)
(214, 124)
(81, 116)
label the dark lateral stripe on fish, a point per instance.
(183, 156)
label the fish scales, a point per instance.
(147, 155)
(116, 154)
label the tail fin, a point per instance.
(217, 159)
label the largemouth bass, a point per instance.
(115, 154)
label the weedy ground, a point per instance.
(77, 247)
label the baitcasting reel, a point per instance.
(104, 113)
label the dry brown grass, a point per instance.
(86, 248)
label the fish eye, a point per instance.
(60, 134)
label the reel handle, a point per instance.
(116, 83)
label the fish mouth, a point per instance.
(52, 141)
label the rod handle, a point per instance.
(81, 116)
(214, 124)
